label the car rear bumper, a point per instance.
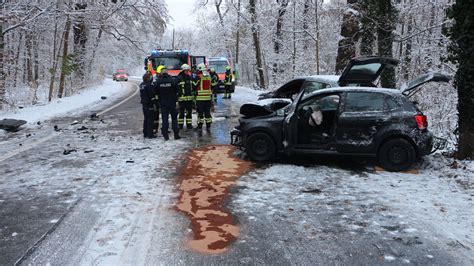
(424, 142)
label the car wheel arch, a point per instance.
(270, 137)
(273, 135)
(398, 136)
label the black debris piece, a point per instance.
(38, 123)
(56, 128)
(67, 152)
(314, 191)
(141, 149)
(28, 135)
(139, 193)
(103, 97)
(130, 161)
(88, 151)
(82, 128)
(94, 116)
(11, 124)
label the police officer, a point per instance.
(149, 103)
(185, 97)
(203, 92)
(228, 83)
(214, 83)
(167, 90)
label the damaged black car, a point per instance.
(353, 120)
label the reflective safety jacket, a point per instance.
(215, 79)
(228, 78)
(203, 88)
(185, 92)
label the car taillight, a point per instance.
(421, 121)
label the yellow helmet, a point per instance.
(159, 69)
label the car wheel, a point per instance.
(260, 147)
(396, 155)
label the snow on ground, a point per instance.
(435, 206)
(84, 100)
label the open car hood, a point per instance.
(263, 107)
(365, 70)
(412, 87)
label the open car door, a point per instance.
(290, 124)
(414, 86)
(365, 70)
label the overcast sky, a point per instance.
(181, 12)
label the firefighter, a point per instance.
(214, 83)
(148, 101)
(167, 89)
(228, 83)
(203, 92)
(185, 97)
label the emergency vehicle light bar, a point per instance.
(184, 52)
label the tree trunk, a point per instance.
(408, 48)
(80, 40)
(2, 72)
(278, 33)
(349, 33)
(17, 60)
(316, 21)
(386, 17)
(305, 23)
(96, 46)
(219, 13)
(293, 56)
(237, 43)
(368, 27)
(65, 59)
(29, 57)
(461, 51)
(256, 41)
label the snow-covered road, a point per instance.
(97, 193)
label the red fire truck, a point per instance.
(172, 60)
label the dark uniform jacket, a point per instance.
(215, 78)
(167, 89)
(148, 94)
(185, 84)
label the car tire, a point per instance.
(260, 147)
(396, 155)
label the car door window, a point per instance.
(310, 86)
(364, 102)
(324, 103)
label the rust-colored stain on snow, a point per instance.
(205, 182)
